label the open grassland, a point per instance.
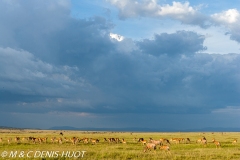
(32, 145)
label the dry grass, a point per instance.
(131, 150)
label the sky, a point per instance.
(120, 63)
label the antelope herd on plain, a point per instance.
(149, 144)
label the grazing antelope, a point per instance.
(188, 140)
(150, 146)
(164, 140)
(35, 140)
(156, 142)
(1, 140)
(112, 140)
(165, 148)
(94, 141)
(218, 144)
(140, 139)
(105, 140)
(176, 140)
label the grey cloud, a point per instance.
(25, 75)
(182, 42)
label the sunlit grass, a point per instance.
(131, 150)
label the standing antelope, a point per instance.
(123, 141)
(199, 140)
(218, 144)
(143, 142)
(234, 141)
(157, 142)
(53, 139)
(17, 139)
(74, 140)
(150, 146)
(9, 140)
(204, 141)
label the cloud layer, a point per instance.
(51, 63)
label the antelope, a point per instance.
(140, 139)
(53, 139)
(105, 140)
(218, 145)
(188, 140)
(165, 140)
(59, 140)
(176, 140)
(181, 139)
(199, 140)
(44, 139)
(9, 140)
(66, 140)
(150, 146)
(40, 140)
(74, 140)
(85, 140)
(34, 140)
(117, 140)
(123, 141)
(1, 140)
(204, 141)
(143, 142)
(234, 141)
(165, 148)
(23, 139)
(94, 141)
(156, 142)
(112, 140)
(17, 139)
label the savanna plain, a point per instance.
(90, 145)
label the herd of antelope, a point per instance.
(150, 144)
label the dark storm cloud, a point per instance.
(195, 84)
(57, 63)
